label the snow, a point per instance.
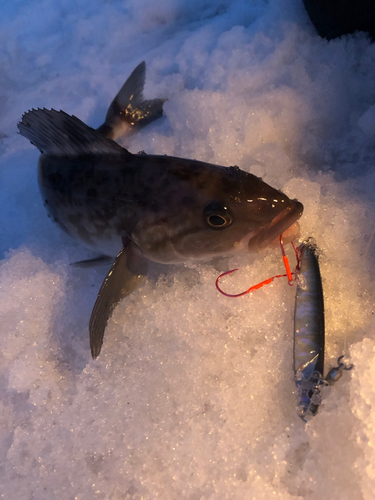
(193, 393)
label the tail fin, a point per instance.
(128, 110)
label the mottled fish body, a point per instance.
(145, 207)
(173, 209)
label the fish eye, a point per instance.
(216, 220)
(217, 215)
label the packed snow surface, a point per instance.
(193, 394)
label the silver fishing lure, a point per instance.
(309, 335)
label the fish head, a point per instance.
(211, 212)
(262, 212)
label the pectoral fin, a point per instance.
(127, 274)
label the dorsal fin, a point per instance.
(57, 133)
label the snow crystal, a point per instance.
(193, 393)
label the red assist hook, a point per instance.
(289, 274)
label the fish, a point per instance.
(137, 208)
(309, 335)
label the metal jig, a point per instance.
(309, 335)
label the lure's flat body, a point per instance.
(309, 332)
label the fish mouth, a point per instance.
(283, 221)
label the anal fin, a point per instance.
(127, 273)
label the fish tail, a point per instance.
(129, 111)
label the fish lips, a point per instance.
(268, 233)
